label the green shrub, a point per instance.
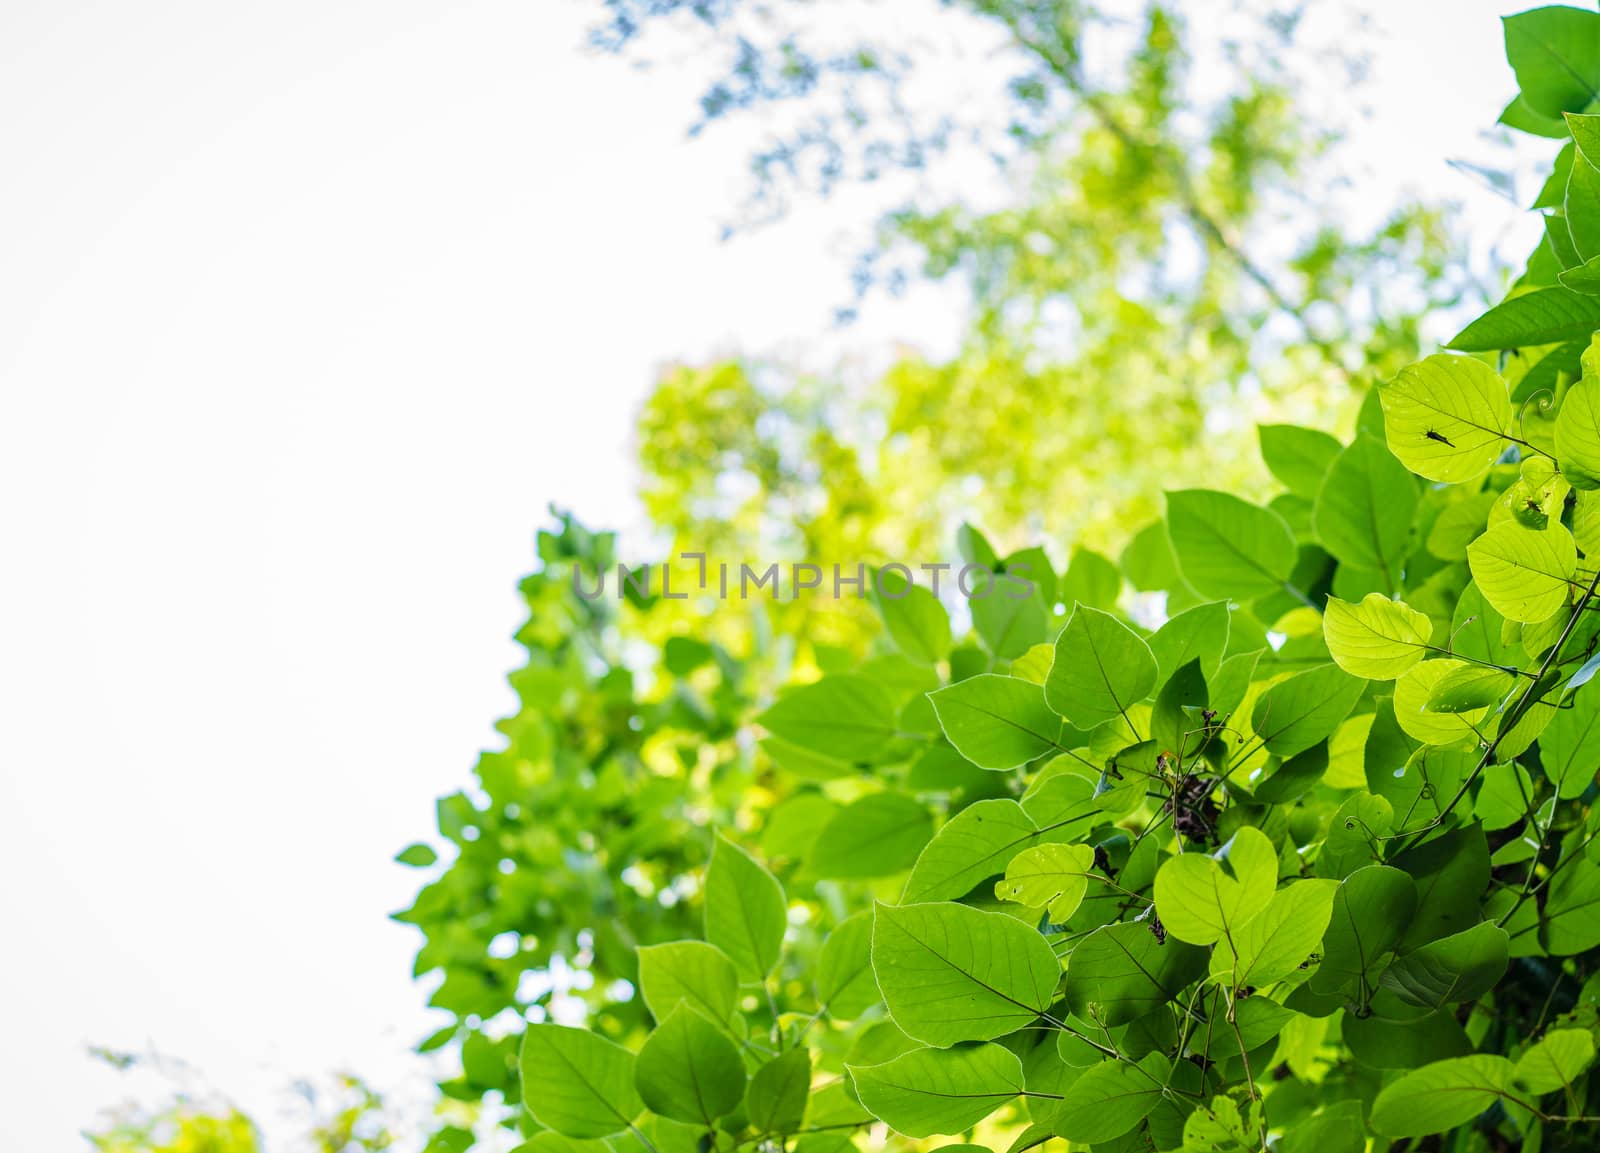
(1300, 855)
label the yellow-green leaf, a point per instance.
(1446, 417)
(1523, 572)
(1052, 877)
(1378, 639)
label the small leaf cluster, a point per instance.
(1279, 832)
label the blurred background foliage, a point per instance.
(1159, 263)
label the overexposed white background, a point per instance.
(307, 310)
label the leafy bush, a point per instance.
(1295, 847)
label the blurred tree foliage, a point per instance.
(345, 1115)
(1168, 270)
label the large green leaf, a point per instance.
(691, 971)
(745, 912)
(847, 717)
(1199, 902)
(1111, 1098)
(1371, 909)
(1560, 1058)
(1578, 434)
(1446, 417)
(877, 836)
(1299, 457)
(1196, 634)
(932, 1092)
(1543, 316)
(689, 1070)
(1296, 713)
(951, 973)
(1227, 547)
(1524, 573)
(1569, 747)
(846, 984)
(974, 845)
(916, 621)
(1555, 52)
(1010, 615)
(1365, 507)
(1460, 967)
(1120, 972)
(576, 1082)
(776, 1100)
(1441, 1096)
(1378, 639)
(1572, 908)
(1101, 669)
(998, 722)
(1274, 943)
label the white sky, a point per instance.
(310, 309)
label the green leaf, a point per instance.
(950, 973)
(1371, 909)
(1451, 872)
(745, 911)
(1578, 434)
(1445, 417)
(846, 984)
(1440, 1096)
(1111, 1098)
(1365, 507)
(974, 845)
(1052, 877)
(682, 655)
(916, 621)
(1296, 713)
(775, 1102)
(1199, 903)
(936, 1092)
(1559, 1059)
(877, 836)
(1009, 615)
(1120, 972)
(1378, 639)
(1391, 1043)
(1469, 689)
(998, 722)
(1199, 633)
(1102, 667)
(688, 971)
(1555, 53)
(1339, 1128)
(1523, 572)
(1148, 561)
(1585, 278)
(1581, 207)
(1569, 748)
(1299, 457)
(1227, 547)
(847, 717)
(576, 1082)
(1572, 910)
(418, 856)
(1273, 943)
(689, 1070)
(1091, 579)
(1543, 316)
(1461, 967)
(1412, 693)
(1219, 1128)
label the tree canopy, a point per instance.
(1275, 830)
